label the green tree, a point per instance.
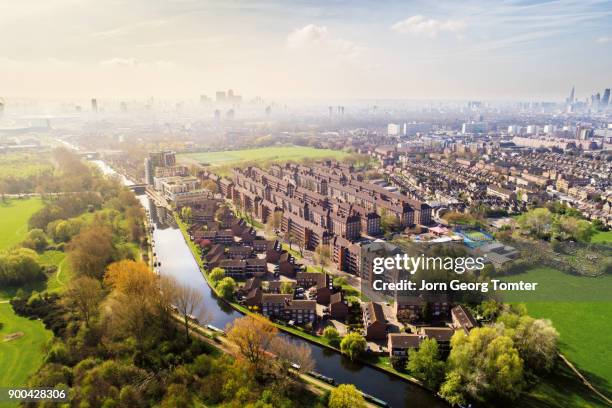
(19, 266)
(186, 214)
(216, 274)
(332, 335)
(425, 363)
(286, 287)
(36, 240)
(488, 364)
(536, 341)
(353, 345)
(452, 390)
(389, 222)
(226, 287)
(346, 396)
(537, 222)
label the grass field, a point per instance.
(232, 157)
(14, 216)
(602, 237)
(24, 164)
(583, 325)
(57, 282)
(21, 357)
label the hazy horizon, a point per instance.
(306, 50)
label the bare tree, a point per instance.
(187, 300)
(290, 354)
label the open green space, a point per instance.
(22, 356)
(583, 325)
(14, 216)
(231, 157)
(602, 237)
(24, 164)
(561, 389)
(57, 282)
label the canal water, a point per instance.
(177, 261)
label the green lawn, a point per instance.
(24, 164)
(584, 326)
(21, 357)
(602, 237)
(230, 157)
(14, 216)
(57, 282)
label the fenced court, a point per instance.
(475, 238)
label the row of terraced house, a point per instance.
(326, 203)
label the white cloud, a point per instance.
(604, 40)
(307, 35)
(314, 36)
(428, 27)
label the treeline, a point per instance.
(117, 345)
(101, 224)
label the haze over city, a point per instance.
(323, 204)
(517, 50)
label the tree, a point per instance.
(425, 363)
(389, 222)
(36, 240)
(452, 389)
(346, 396)
(187, 300)
(133, 304)
(289, 353)
(353, 344)
(536, 341)
(323, 255)
(332, 335)
(488, 364)
(537, 222)
(273, 223)
(216, 274)
(91, 250)
(83, 296)
(210, 186)
(177, 395)
(226, 287)
(286, 287)
(186, 214)
(253, 335)
(19, 266)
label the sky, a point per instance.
(476, 49)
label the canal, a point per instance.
(177, 261)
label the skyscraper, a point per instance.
(94, 104)
(570, 100)
(605, 100)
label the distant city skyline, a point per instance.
(514, 50)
